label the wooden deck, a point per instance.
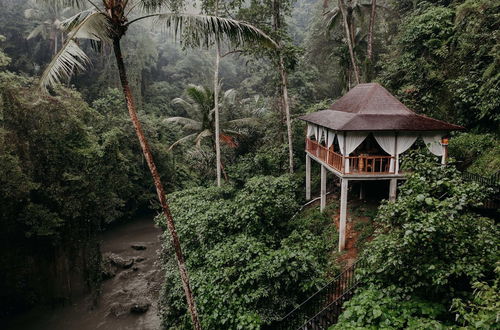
(363, 165)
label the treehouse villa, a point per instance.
(361, 137)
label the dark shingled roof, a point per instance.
(370, 107)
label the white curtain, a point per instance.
(433, 142)
(322, 134)
(352, 141)
(310, 130)
(404, 142)
(330, 138)
(387, 141)
(317, 132)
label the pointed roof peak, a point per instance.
(370, 107)
(370, 98)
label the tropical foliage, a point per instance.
(430, 252)
(249, 263)
(71, 164)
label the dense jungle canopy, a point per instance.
(71, 165)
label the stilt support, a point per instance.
(308, 177)
(323, 188)
(392, 189)
(343, 213)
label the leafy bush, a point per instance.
(248, 263)
(266, 161)
(374, 308)
(430, 242)
(483, 311)
(467, 147)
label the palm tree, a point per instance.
(200, 123)
(47, 18)
(352, 13)
(108, 23)
(277, 21)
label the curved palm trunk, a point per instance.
(159, 187)
(355, 68)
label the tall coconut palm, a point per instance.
(218, 166)
(350, 13)
(277, 25)
(107, 22)
(47, 18)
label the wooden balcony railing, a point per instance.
(363, 164)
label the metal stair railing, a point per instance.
(327, 301)
(493, 202)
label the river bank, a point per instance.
(128, 298)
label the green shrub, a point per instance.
(248, 263)
(373, 308)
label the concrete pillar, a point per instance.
(343, 213)
(361, 191)
(392, 189)
(308, 177)
(323, 188)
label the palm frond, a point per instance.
(332, 17)
(181, 140)
(181, 102)
(203, 134)
(86, 25)
(187, 123)
(230, 96)
(228, 140)
(205, 30)
(242, 122)
(155, 5)
(36, 32)
(64, 3)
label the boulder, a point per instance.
(119, 261)
(140, 306)
(138, 246)
(116, 309)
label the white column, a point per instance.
(392, 189)
(308, 177)
(343, 213)
(323, 188)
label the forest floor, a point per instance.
(128, 298)
(359, 229)
(359, 226)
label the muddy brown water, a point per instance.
(140, 283)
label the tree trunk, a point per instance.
(216, 105)
(284, 82)
(157, 182)
(369, 48)
(284, 86)
(355, 68)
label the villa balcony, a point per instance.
(356, 165)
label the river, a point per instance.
(128, 300)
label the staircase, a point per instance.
(323, 308)
(490, 206)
